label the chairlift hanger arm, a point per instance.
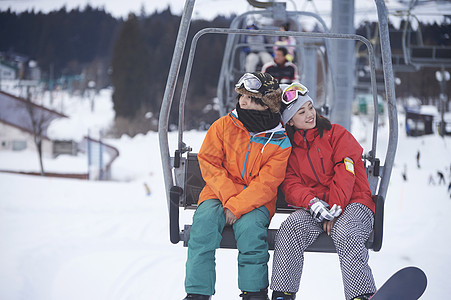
(169, 96)
(390, 94)
(172, 79)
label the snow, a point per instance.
(82, 119)
(429, 110)
(74, 239)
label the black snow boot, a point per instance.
(197, 297)
(363, 297)
(262, 295)
(276, 295)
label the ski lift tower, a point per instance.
(343, 63)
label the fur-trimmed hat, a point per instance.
(269, 92)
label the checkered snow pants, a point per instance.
(349, 234)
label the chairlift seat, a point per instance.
(194, 184)
(431, 52)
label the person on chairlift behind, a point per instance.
(326, 180)
(281, 69)
(256, 52)
(243, 160)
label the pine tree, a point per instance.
(131, 70)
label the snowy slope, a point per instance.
(66, 239)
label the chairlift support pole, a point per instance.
(343, 62)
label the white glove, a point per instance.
(320, 210)
(335, 210)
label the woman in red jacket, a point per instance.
(326, 180)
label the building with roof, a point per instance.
(425, 119)
(21, 120)
(7, 72)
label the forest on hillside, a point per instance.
(133, 56)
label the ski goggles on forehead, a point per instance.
(250, 82)
(291, 93)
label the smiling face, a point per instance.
(304, 118)
(246, 102)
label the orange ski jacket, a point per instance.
(243, 170)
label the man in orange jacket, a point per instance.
(243, 160)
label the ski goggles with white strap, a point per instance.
(250, 82)
(292, 92)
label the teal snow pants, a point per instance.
(250, 233)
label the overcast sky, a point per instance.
(208, 9)
(121, 8)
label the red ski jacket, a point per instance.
(328, 167)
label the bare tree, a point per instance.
(39, 120)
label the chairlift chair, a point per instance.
(412, 54)
(230, 71)
(182, 176)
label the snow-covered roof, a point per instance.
(7, 66)
(429, 110)
(18, 112)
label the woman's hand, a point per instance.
(327, 225)
(230, 217)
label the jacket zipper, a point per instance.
(322, 162)
(250, 173)
(258, 154)
(253, 164)
(247, 156)
(310, 160)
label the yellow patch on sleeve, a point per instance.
(349, 164)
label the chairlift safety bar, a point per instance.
(204, 31)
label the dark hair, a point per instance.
(283, 49)
(253, 99)
(322, 123)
